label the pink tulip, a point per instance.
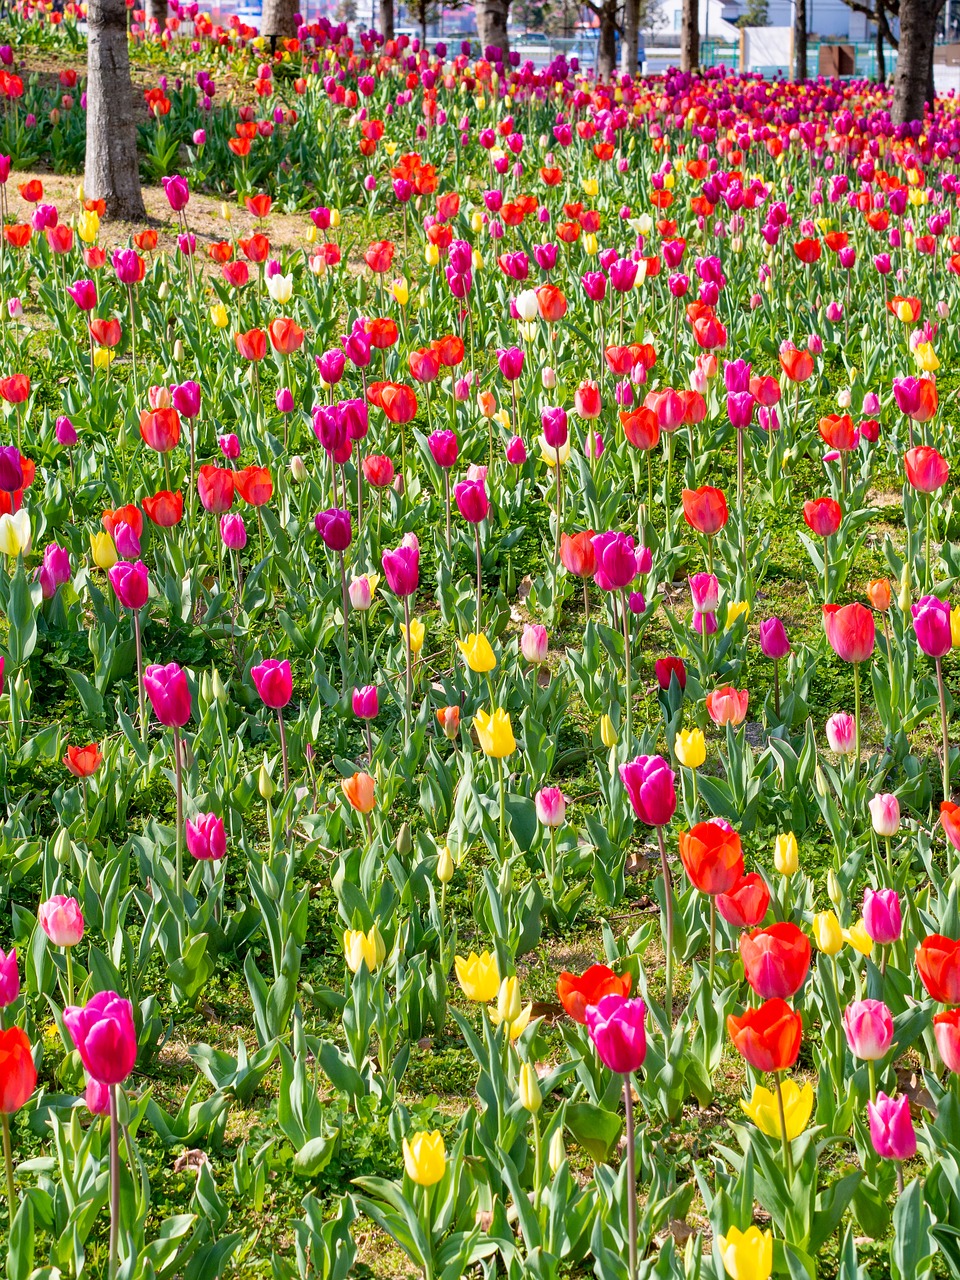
(127, 541)
(891, 1127)
(130, 583)
(551, 805)
(651, 786)
(366, 702)
(616, 1027)
(931, 623)
(402, 566)
(9, 978)
(96, 1096)
(705, 592)
(472, 501)
(869, 1029)
(274, 682)
(616, 560)
(233, 532)
(169, 694)
(186, 399)
(443, 448)
(206, 837)
(881, 915)
(885, 814)
(773, 639)
(842, 733)
(534, 644)
(105, 1036)
(61, 920)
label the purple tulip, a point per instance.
(651, 786)
(177, 192)
(623, 274)
(773, 639)
(736, 376)
(55, 570)
(335, 528)
(554, 424)
(331, 365)
(127, 264)
(66, 432)
(616, 1027)
(11, 470)
(443, 448)
(84, 294)
(931, 622)
(616, 560)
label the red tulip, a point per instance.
(927, 470)
(165, 509)
(577, 994)
(851, 630)
(106, 333)
(577, 554)
(399, 402)
(837, 431)
(938, 963)
(254, 485)
(252, 345)
(129, 514)
(18, 1075)
(705, 509)
(160, 429)
(767, 1037)
(822, 516)
(747, 902)
(83, 762)
(775, 960)
(215, 487)
(286, 336)
(379, 256)
(712, 857)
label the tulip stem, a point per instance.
(476, 534)
(626, 669)
(178, 776)
(787, 1145)
(346, 610)
(446, 500)
(713, 937)
(408, 684)
(631, 1175)
(283, 751)
(502, 804)
(776, 688)
(668, 912)
(872, 1076)
(114, 1183)
(926, 557)
(856, 719)
(69, 956)
(138, 641)
(8, 1166)
(944, 730)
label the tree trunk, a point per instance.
(112, 169)
(423, 24)
(881, 63)
(913, 82)
(279, 18)
(800, 40)
(690, 35)
(159, 10)
(630, 49)
(386, 19)
(492, 18)
(607, 48)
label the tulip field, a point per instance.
(479, 725)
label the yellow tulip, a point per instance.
(591, 187)
(495, 733)
(858, 938)
(226, 213)
(764, 1110)
(608, 734)
(549, 454)
(390, 148)
(431, 255)
(401, 291)
(445, 865)
(786, 855)
(476, 222)
(531, 1098)
(425, 1158)
(312, 235)
(15, 533)
(477, 653)
(88, 225)
(955, 627)
(747, 1255)
(364, 948)
(690, 747)
(479, 976)
(735, 609)
(334, 218)
(103, 551)
(590, 245)
(510, 1012)
(417, 633)
(926, 357)
(827, 932)
(218, 316)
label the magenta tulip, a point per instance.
(105, 1036)
(616, 1027)
(130, 583)
(651, 786)
(881, 915)
(869, 1029)
(169, 694)
(206, 837)
(891, 1127)
(274, 682)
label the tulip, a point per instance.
(83, 762)
(841, 733)
(233, 532)
(130, 583)
(727, 705)
(776, 960)
(669, 669)
(477, 653)
(747, 1255)
(273, 682)
(786, 855)
(827, 932)
(616, 1027)
(773, 639)
(18, 1079)
(402, 566)
(478, 976)
(768, 1037)
(534, 644)
(705, 592)
(424, 1157)
(931, 624)
(690, 748)
(927, 470)
(746, 903)
(335, 528)
(9, 978)
(206, 837)
(61, 920)
(364, 948)
(495, 733)
(104, 1034)
(763, 1109)
(577, 994)
(169, 695)
(857, 937)
(366, 702)
(472, 501)
(938, 963)
(881, 915)
(15, 533)
(946, 1030)
(869, 1030)
(359, 790)
(884, 814)
(55, 570)
(712, 857)
(891, 1127)
(551, 806)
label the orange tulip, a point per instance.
(83, 762)
(359, 790)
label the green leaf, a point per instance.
(596, 1129)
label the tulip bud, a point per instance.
(556, 1153)
(164, 291)
(178, 351)
(608, 734)
(62, 847)
(834, 892)
(509, 1005)
(218, 687)
(206, 688)
(531, 1098)
(404, 841)
(265, 783)
(904, 598)
(820, 782)
(445, 865)
(298, 469)
(786, 854)
(827, 933)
